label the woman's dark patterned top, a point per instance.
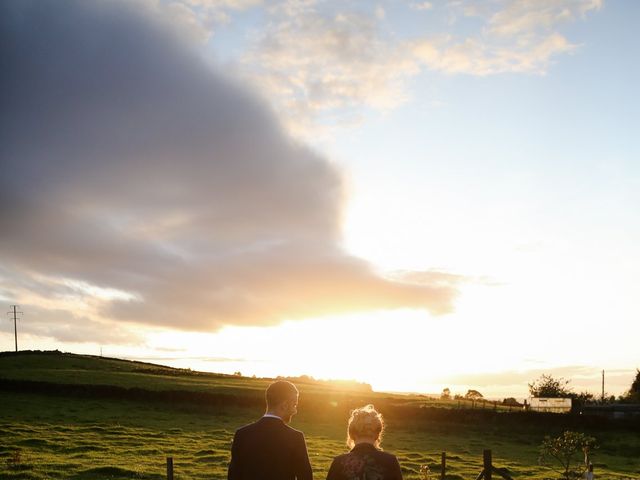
(365, 462)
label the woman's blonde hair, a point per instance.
(365, 422)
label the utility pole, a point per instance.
(15, 312)
(602, 386)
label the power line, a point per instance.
(15, 312)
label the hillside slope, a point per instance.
(68, 369)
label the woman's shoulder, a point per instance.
(385, 457)
(342, 457)
(386, 454)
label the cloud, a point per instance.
(476, 57)
(142, 186)
(318, 62)
(518, 36)
(529, 16)
(62, 309)
(66, 326)
(421, 5)
(430, 277)
(324, 63)
(230, 4)
(198, 19)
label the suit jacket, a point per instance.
(269, 450)
(365, 461)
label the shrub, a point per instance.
(564, 448)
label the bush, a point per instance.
(564, 448)
(547, 386)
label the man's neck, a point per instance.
(272, 415)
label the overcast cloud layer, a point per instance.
(142, 186)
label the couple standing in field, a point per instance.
(270, 449)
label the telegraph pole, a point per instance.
(15, 312)
(602, 386)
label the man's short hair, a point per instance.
(280, 391)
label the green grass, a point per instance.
(56, 437)
(89, 370)
(60, 438)
(70, 438)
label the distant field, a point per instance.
(88, 370)
(55, 437)
(91, 370)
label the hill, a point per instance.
(88, 376)
(58, 373)
(86, 417)
(73, 369)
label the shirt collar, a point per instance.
(271, 415)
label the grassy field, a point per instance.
(91, 370)
(59, 437)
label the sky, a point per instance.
(416, 194)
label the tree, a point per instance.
(634, 392)
(562, 449)
(635, 386)
(473, 395)
(584, 398)
(511, 402)
(446, 394)
(549, 387)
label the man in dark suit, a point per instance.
(270, 449)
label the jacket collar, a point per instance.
(364, 447)
(271, 419)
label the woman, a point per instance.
(366, 460)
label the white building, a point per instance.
(555, 405)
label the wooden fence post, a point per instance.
(486, 457)
(444, 465)
(589, 474)
(169, 468)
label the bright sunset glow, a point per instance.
(413, 196)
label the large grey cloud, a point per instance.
(129, 163)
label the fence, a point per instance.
(487, 468)
(487, 472)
